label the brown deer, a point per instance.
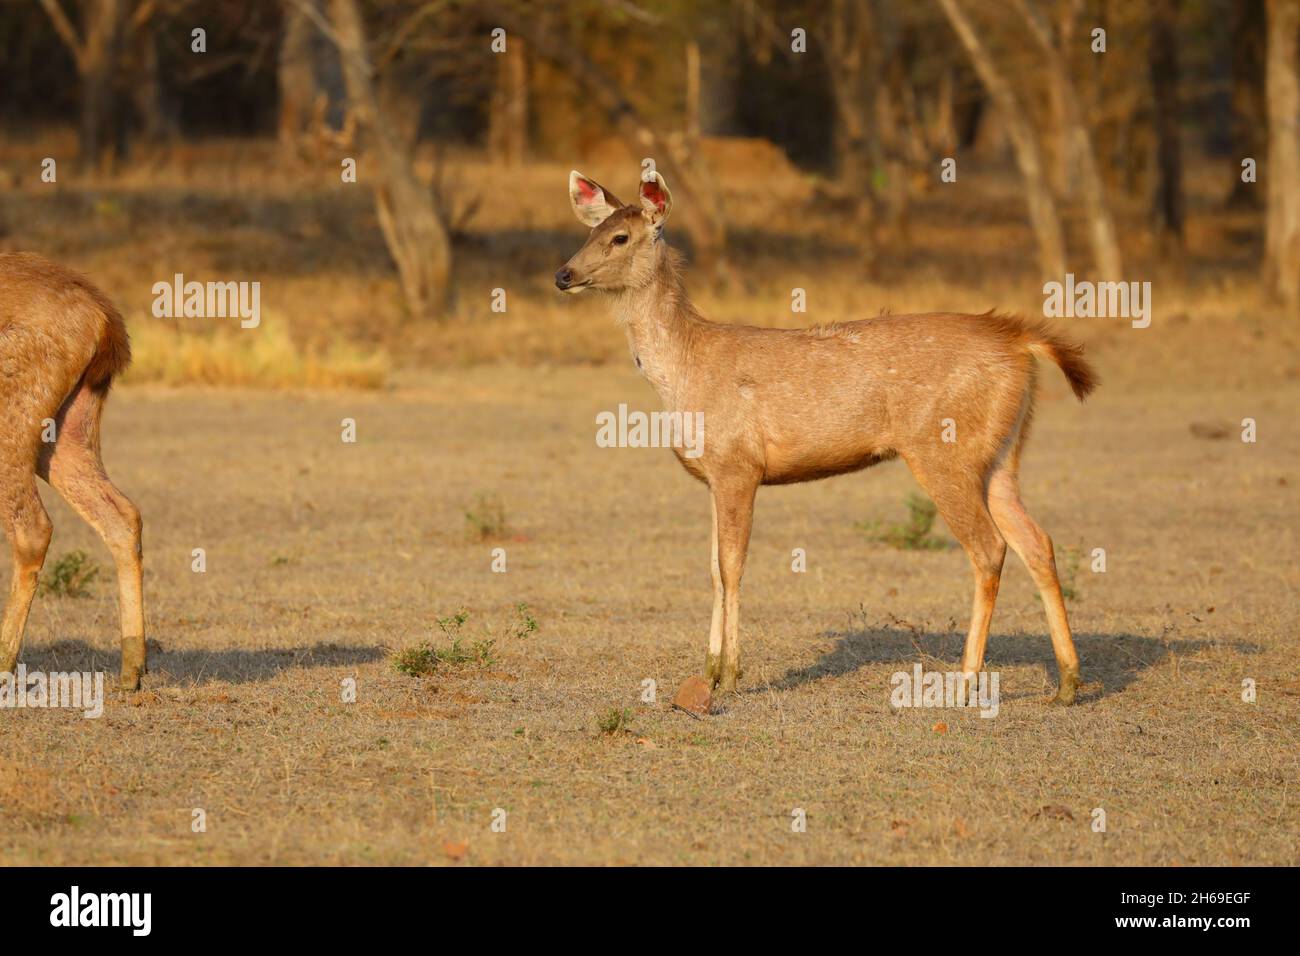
(61, 344)
(787, 405)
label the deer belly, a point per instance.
(787, 463)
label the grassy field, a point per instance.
(326, 559)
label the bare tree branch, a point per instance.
(318, 20)
(67, 32)
(1042, 207)
(1077, 142)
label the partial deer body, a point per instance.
(788, 405)
(61, 344)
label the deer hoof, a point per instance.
(713, 669)
(1065, 693)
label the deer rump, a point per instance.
(59, 327)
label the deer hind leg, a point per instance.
(1034, 546)
(75, 470)
(28, 528)
(962, 506)
(733, 502)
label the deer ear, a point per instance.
(656, 200)
(592, 203)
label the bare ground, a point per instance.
(324, 557)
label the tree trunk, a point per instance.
(1163, 60)
(1248, 109)
(98, 105)
(313, 109)
(1061, 162)
(855, 74)
(1042, 207)
(896, 127)
(295, 76)
(416, 237)
(508, 110)
(692, 125)
(96, 59)
(1282, 172)
(943, 127)
(156, 122)
(718, 88)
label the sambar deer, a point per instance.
(61, 344)
(788, 405)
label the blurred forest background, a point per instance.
(805, 144)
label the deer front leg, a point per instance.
(733, 504)
(713, 662)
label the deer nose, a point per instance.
(564, 278)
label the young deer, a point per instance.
(61, 344)
(787, 405)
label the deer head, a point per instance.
(621, 251)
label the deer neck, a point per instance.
(660, 322)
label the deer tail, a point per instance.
(113, 351)
(1069, 356)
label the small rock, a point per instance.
(694, 696)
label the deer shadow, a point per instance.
(1113, 660)
(197, 667)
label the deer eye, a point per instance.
(620, 239)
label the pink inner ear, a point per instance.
(588, 191)
(653, 193)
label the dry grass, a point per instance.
(28, 796)
(324, 557)
(266, 357)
